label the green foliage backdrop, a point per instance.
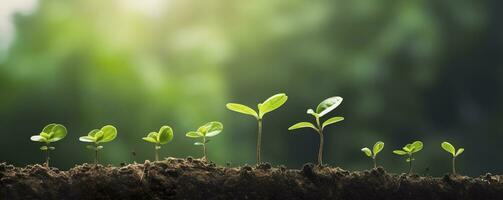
(408, 70)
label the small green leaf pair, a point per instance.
(210, 129)
(164, 136)
(323, 108)
(450, 149)
(50, 133)
(272, 103)
(408, 150)
(98, 136)
(378, 147)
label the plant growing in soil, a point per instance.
(210, 129)
(51, 133)
(98, 136)
(272, 103)
(378, 146)
(449, 148)
(323, 108)
(409, 150)
(164, 136)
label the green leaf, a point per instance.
(332, 120)
(52, 148)
(149, 139)
(99, 147)
(328, 105)
(194, 134)
(213, 129)
(48, 129)
(198, 144)
(416, 146)
(409, 159)
(400, 152)
(460, 151)
(109, 133)
(242, 109)
(38, 138)
(58, 132)
(378, 147)
(165, 135)
(93, 133)
(44, 148)
(302, 125)
(449, 148)
(367, 151)
(272, 103)
(87, 139)
(47, 136)
(98, 137)
(311, 112)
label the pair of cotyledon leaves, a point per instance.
(272, 103)
(378, 147)
(50, 133)
(322, 109)
(164, 136)
(410, 148)
(105, 134)
(449, 148)
(209, 129)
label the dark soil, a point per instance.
(195, 179)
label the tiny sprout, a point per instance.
(210, 129)
(409, 150)
(98, 136)
(378, 146)
(164, 136)
(323, 108)
(272, 103)
(449, 148)
(50, 133)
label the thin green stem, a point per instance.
(410, 163)
(259, 141)
(95, 154)
(375, 163)
(205, 156)
(320, 150)
(48, 154)
(454, 165)
(156, 153)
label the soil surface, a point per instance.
(195, 179)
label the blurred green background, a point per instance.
(408, 70)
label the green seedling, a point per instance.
(268, 105)
(210, 129)
(98, 136)
(323, 108)
(51, 133)
(409, 150)
(449, 148)
(164, 136)
(378, 146)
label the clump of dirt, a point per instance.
(196, 179)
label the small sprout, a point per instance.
(323, 108)
(50, 133)
(378, 146)
(210, 129)
(450, 149)
(409, 150)
(98, 136)
(164, 136)
(272, 103)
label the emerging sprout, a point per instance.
(164, 136)
(409, 150)
(268, 105)
(323, 108)
(378, 146)
(98, 136)
(210, 129)
(449, 148)
(50, 133)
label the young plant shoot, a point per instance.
(449, 148)
(378, 146)
(164, 136)
(208, 130)
(409, 150)
(323, 108)
(51, 133)
(98, 136)
(268, 105)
